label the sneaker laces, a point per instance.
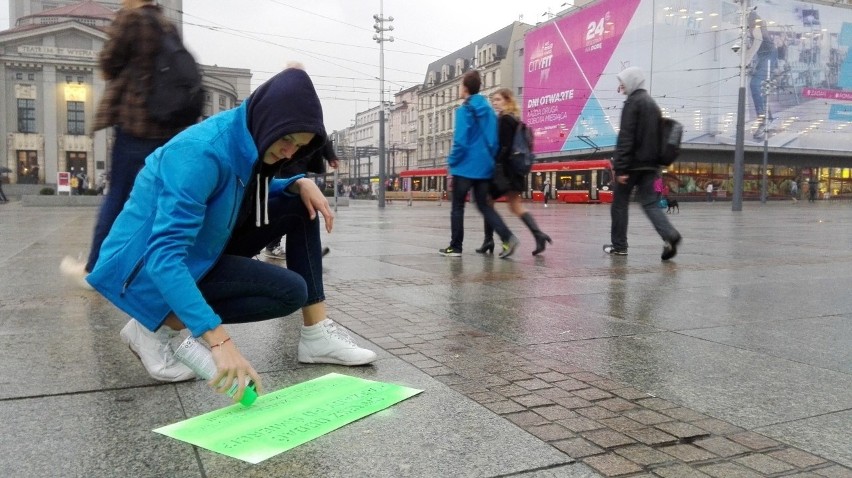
(339, 333)
(167, 350)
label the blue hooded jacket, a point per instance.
(474, 140)
(187, 199)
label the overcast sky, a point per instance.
(333, 38)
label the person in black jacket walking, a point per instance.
(505, 181)
(635, 163)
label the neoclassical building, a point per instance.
(50, 86)
(440, 94)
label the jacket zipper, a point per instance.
(133, 274)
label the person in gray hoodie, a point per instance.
(635, 163)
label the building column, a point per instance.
(49, 119)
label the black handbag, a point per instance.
(500, 184)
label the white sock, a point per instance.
(311, 330)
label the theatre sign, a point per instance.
(39, 50)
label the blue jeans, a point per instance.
(128, 158)
(480, 187)
(644, 182)
(763, 62)
(242, 289)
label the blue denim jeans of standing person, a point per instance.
(643, 181)
(128, 158)
(480, 188)
(242, 289)
(764, 61)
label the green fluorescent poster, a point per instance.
(285, 419)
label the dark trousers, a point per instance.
(480, 188)
(2, 194)
(128, 158)
(242, 289)
(643, 181)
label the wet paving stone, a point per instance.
(612, 465)
(578, 447)
(687, 453)
(607, 438)
(764, 463)
(722, 446)
(797, 458)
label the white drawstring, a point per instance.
(261, 205)
(266, 201)
(257, 202)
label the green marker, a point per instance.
(199, 359)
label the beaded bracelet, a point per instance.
(220, 343)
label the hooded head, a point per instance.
(632, 79)
(285, 104)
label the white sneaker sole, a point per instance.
(334, 361)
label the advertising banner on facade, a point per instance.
(798, 77)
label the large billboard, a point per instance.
(798, 77)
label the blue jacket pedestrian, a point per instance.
(474, 140)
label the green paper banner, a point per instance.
(285, 419)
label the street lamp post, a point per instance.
(379, 37)
(739, 153)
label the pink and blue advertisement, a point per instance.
(798, 78)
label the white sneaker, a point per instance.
(276, 253)
(156, 351)
(75, 271)
(326, 342)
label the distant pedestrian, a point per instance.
(82, 179)
(101, 185)
(471, 163)
(512, 184)
(127, 63)
(3, 197)
(658, 187)
(812, 191)
(709, 190)
(545, 189)
(635, 163)
(794, 190)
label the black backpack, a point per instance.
(671, 132)
(176, 98)
(522, 158)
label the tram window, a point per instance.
(605, 177)
(416, 184)
(577, 181)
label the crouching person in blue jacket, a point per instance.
(180, 254)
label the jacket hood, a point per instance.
(286, 103)
(632, 78)
(481, 107)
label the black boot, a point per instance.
(487, 247)
(488, 243)
(540, 238)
